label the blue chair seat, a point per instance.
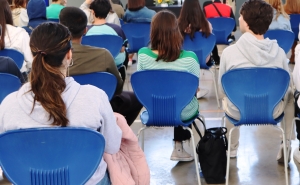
(103, 80)
(8, 83)
(222, 28)
(17, 56)
(51, 156)
(164, 96)
(256, 95)
(285, 39)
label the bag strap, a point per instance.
(217, 9)
(196, 127)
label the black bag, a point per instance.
(211, 150)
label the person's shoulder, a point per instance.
(6, 59)
(90, 50)
(145, 50)
(186, 54)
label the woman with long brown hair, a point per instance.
(165, 53)
(292, 6)
(19, 13)
(14, 37)
(51, 99)
(191, 20)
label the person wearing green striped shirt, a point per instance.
(165, 53)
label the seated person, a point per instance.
(89, 59)
(215, 8)
(75, 105)
(19, 13)
(164, 54)
(281, 19)
(138, 12)
(52, 11)
(36, 15)
(252, 50)
(14, 37)
(100, 10)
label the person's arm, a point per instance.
(109, 128)
(85, 7)
(26, 52)
(222, 71)
(112, 68)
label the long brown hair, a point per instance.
(292, 6)
(20, 4)
(278, 6)
(165, 36)
(49, 44)
(5, 18)
(192, 18)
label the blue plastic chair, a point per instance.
(51, 156)
(137, 34)
(164, 95)
(17, 56)
(103, 80)
(121, 22)
(295, 21)
(222, 28)
(285, 39)
(202, 47)
(54, 20)
(256, 95)
(112, 43)
(8, 83)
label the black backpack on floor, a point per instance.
(211, 150)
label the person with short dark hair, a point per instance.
(89, 59)
(252, 50)
(164, 54)
(100, 10)
(138, 12)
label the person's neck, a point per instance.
(57, 2)
(258, 37)
(76, 41)
(99, 21)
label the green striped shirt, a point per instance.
(187, 62)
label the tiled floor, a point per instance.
(256, 162)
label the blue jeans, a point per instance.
(105, 180)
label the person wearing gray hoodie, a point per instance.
(252, 50)
(51, 99)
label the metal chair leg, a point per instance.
(195, 154)
(228, 154)
(138, 135)
(285, 155)
(215, 85)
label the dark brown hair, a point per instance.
(192, 18)
(5, 18)
(20, 4)
(49, 44)
(165, 36)
(258, 15)
(134, 5)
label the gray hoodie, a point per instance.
(87, 106)
(251, 52)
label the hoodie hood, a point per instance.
(36, 9)
(25, 100)
(258, 52)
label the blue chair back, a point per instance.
(112, 43)
(164, 94)
(255, 92)
(201, 46)
(50, 156)
(103, 80)
(285, 39)
(138, 35)
(222, 28)
(54, 20)
(17, 56)
(8, 83)
(295, 21)
(121, 22)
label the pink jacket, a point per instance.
(129, 165)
